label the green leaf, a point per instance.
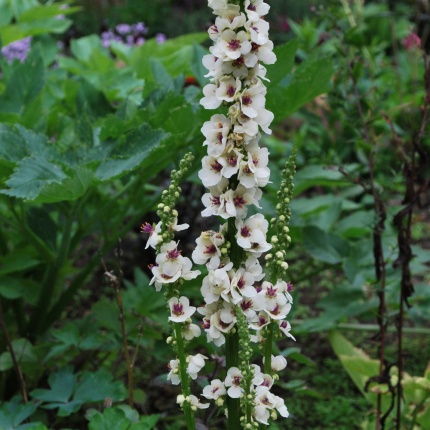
(284, 64)
(62, 385)
(95, 387)
(23, 349)
(15, 412)
(70, 189)
(131, 153)
(111, 419)
(356, 362)
(25, 81)
(31, 176)
(308, 81)
(17, 261)
(324, 246)
(12, 288)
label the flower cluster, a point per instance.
(17, 50)
(129, 34)
(237, 299)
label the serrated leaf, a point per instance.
(111, 419)
(69, 189)
(137, 146)
(31, 176)
(324, 246)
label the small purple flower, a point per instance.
(140, 27)
(161, 38)
(17, 50)
(123, 29)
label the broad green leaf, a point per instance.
(12, 288)
(48, 11)
(308, 81)
(96, 386)
(17, 261)
(31, 176)
(311, 176)
(21, 6)
(6, 13)
(111, 419)
(136, 148)
(25, 82)
(70, 189)
(284, 63)
(62, 385)
(324, 246)
(358, 364)
(15, 412)
(24, 352)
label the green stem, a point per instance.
(232, 360)
(185, 380)
(268, 346)
(50, 279)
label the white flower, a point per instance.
(242, 285)
(259, 321)
(215, 390)
(252, 100)
(209, 249)
(190, 331)
(285, 327)
(210, 100)
(195, 403)
(195, 364)
(230, 18)
(217, 5)
(256, 9)
(232, 380)
(231, 45)
(234, 202)
(180, 309)
(211, 172)
(216, 132)
(251, 234)
(264, 52)
(278, 363)
(212, 201)
(259, 31)
(173, 375)
(215, 284)
(154, 234)
(228, 88)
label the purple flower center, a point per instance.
(245, 231)
(210, 249)
(173, 254)
(247, 100)
(216, 166)
(234, 45)
(231, 91)
(239, 201)
(147, 228)
(178, 309)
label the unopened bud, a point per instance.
(284, 265)
(279, 254)
(166, 209)
(282, 218)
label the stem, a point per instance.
(185, 380)
(268, 349)
(15, 362)
(232, 360)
